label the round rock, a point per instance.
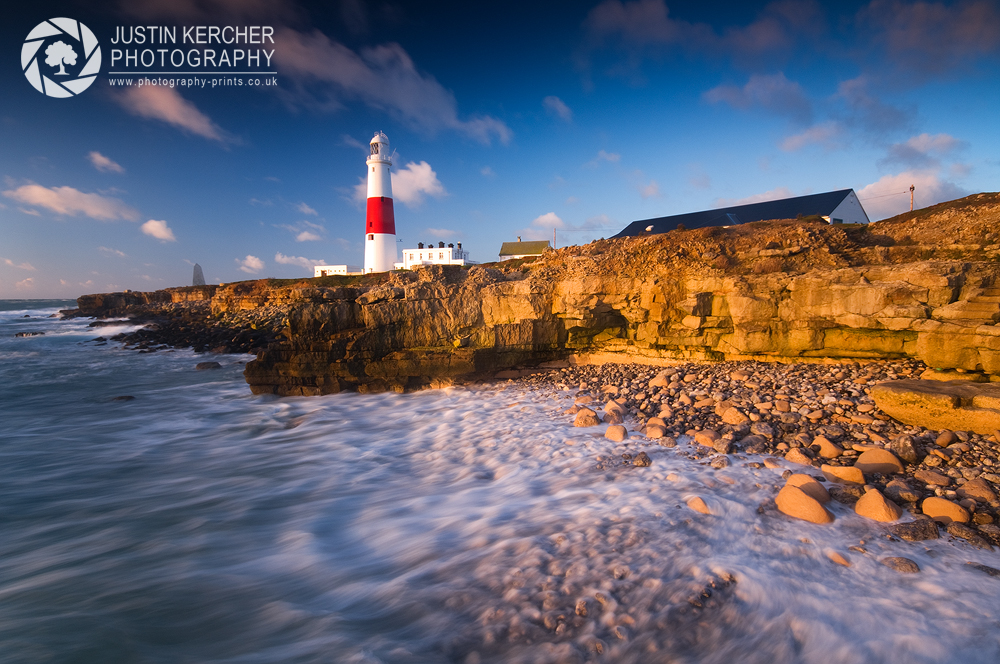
(796, 503)
(616, 432)
(586, 418)
(901, 565)
(944, 511)
(873, 505)
(879, 461)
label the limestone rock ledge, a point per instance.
(959, 405)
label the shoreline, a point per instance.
(801, 418)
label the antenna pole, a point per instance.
(553, 238)
(911, 197)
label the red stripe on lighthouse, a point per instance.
(380, 218)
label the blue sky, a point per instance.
(507, 119)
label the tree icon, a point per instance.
(58, 54)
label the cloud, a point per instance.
(305, 209)
(22, 266)
(25, 284)
(923, 150)
(307, 236)
(772, 195)
(301, 261)
(167, 105)
(33, 213)
(326, 73)
(699, 179)
(558, 108)
(924, 38)
(441, 233)
(69, 201)
(250, 264)
(889, 195)
(645, 26)
(159, 230)
(610, 157)
(104, 164)
(411, 183)
(108, 251)
(868, 112)
(352, 142)
(822, 134)
(572, 200)
(772, 92)
(486, 171)
(548, 220)
(304, 231)
(650, 190)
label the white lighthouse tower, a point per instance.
(380, 222)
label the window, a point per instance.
(440, 255)
(411, 257)
(371, 236)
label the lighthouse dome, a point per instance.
(380, 138)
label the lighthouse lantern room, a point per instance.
(380, 222)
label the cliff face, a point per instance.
(451, 324)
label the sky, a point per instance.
(507, 119)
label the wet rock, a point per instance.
(843, 474)
(963, 531)
(668, 441)
(846, 494)
(985, 569)
(762, 429)
(873, 505)
(124, 397)
(655, 431)
(991, 532)
(916, 531)
(754, 444)
(901, 565)
(944, 511)
(207, 366)
(720, 462)
(979, 490)
(809, 485)
(794, 502)
(586, 418)
(613, 417)
(838, 558)
(616, 432)
(879, 461)
(642, 460)
(723, 446)
(698, 505)
(29, 334)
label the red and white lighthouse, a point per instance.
(380, 222)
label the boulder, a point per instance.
(762, 429)
(899, 491)
(810, 486)
(906, 449)
(838, 558)
(657, 422)
(735, 417)
(843, 474)
(586, 418)
(978, 490)
(958, 404)
(916, 531)
(873, 505)
(944, 511)
(879, 461)
(796, 503)
(616, 432)
(642, 460)
(206, 366)
(932, 478)
(827, 448)
(583, 399)
(655, 431)
(963, 531)
(708, 437)
(795, 455)
(614, 407)
(613, 417)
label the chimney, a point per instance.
(451, 246)
(420, 245)
(459, 246)
(440, 245)
(518, 238)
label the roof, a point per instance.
(524, 248)
(785, 208)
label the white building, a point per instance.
(330, 270)
(431, 255)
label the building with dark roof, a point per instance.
(837, 207)
(511, 250)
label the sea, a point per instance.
(195, 522)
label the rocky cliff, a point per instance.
(786, 290)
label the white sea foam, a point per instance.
(199, 523)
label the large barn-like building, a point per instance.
(837, 207)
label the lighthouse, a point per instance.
(380, 222)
